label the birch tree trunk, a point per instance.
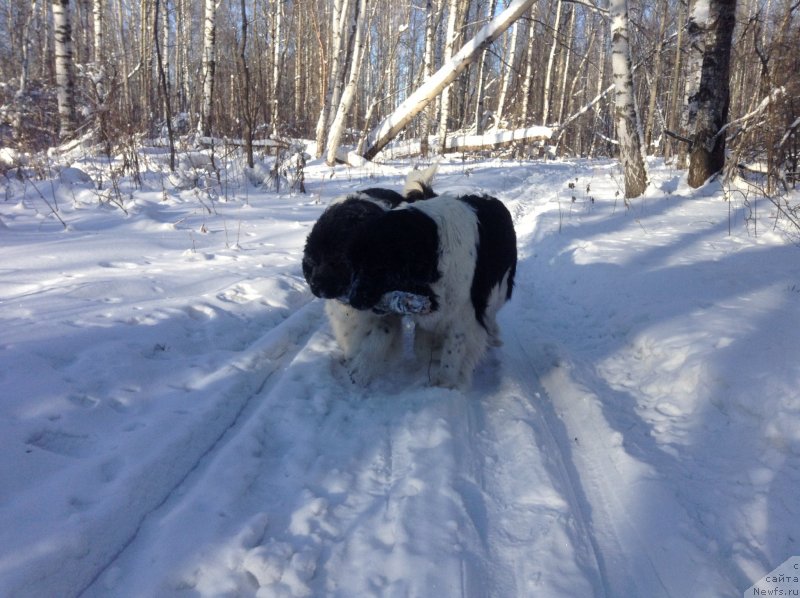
(713, 96)
(527, 79)
(696, 34)
(427, 119)
(563, 100)
(510, 60)
(450, 39)
(629, 131)
(549, 73)
(422, 96)
(209, 66)
(346, 102)
(247, 116)
(335, 53)
(651, 104)
(479, 101)
(425, 93)
(99, 29)
(162, 77)
(277, 67)
(65, 70)
(673, 114)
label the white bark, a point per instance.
(425, 93)
(277, 67)
(209, 65)
(510, 59)
(346, 101)
(65, 73)
(696, 33)
(333, 74)
(450, 39)
(629, 131)
(99, 29)
(479, 102)
(549, 73)
(713, 96)
(527, 79)
(430, 19)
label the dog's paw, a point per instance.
(361, 371)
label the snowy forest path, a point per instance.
(322, 488)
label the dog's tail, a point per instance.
(418, 184)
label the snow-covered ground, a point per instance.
(175, 419)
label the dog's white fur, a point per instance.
(450, 339)
(370, 342)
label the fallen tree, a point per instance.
(419, 99)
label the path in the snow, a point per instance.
(399, 490)
(322, 488)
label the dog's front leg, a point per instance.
(449, 374)
(381, 342)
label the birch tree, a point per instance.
(713, 95)
(450, 40)
(428, 115)
(209, 65)
(346, 101)
(99, 29)
(334, 74)
(510, 58)
(427, 92)
(628, 128)
(696, 39)
(547, 89)
(65, 70)
(482, 68)
(247, 117)
(277, 67)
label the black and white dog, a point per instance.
(457, 252)
(369, 340)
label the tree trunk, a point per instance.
(510, 60)
(563, 100)
(209, 66)
(164, 89)
(346, 101)
(335, 53)
(65, 70)
(696, 33)
(99, 29)
(428, 116)
(673, 117)
(629, 131)
(277, 67)
(651, 105)
(247, 117)
(548, 92)
(425, 93)
(450, 39)
(479, 101)
(713, 96)
(527, 78)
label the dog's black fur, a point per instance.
(400, 252)
(325, 264)
(459, 252)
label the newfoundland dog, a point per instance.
(450, 259)
(369, 340)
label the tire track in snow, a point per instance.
(97, 540)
